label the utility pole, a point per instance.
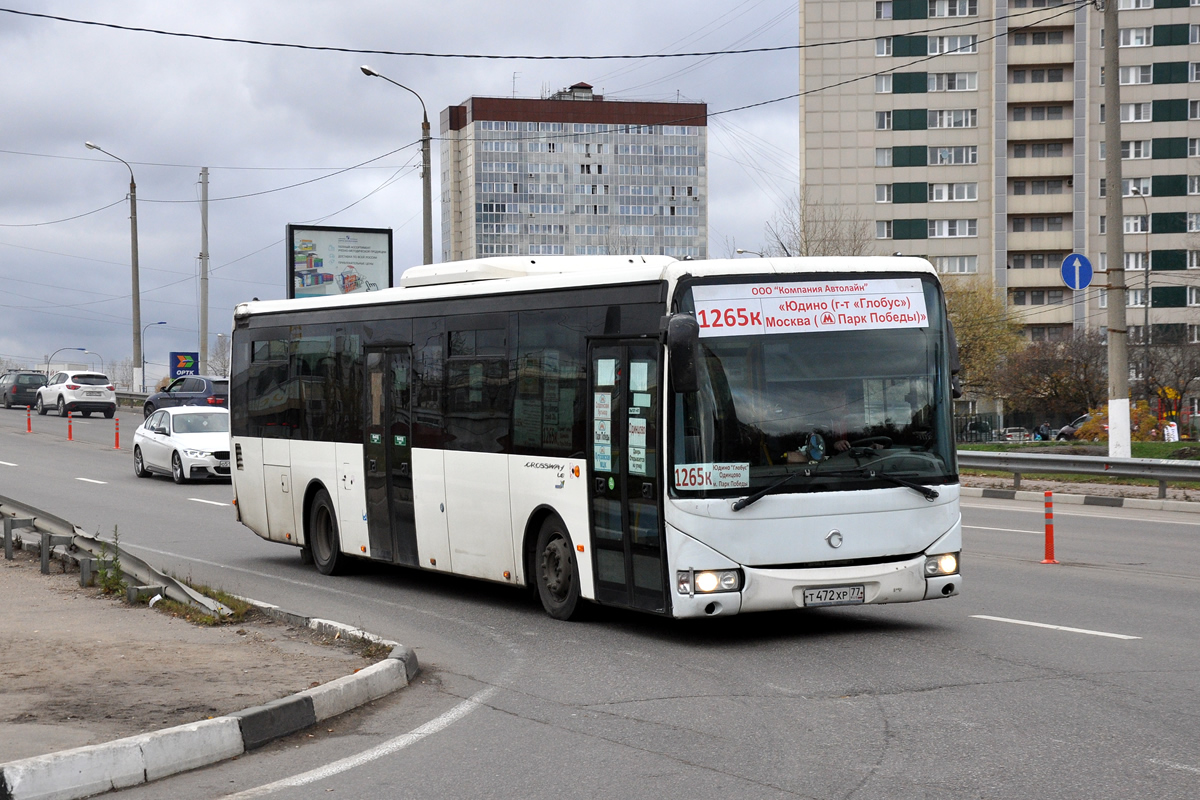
(204, 270)
(1114, 244)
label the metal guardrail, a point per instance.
(1159, 469)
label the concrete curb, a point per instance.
(1144, 503)
(85, 771)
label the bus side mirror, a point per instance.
(683, 339)
(955, 363)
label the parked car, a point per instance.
(184, 442)
(190, 390)
(80, 391)
(1068, 431)
(1015, 435)
(19, 387)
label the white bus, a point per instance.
(685, 438)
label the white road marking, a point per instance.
(1055, 627)
(1060, 510)
(1173, 765)
(7, 464)
(1002, 530)
(210, 502)
(387, 748)
(89, 480)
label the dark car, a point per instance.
(19, 387)
(191, 390)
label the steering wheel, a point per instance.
(870, 441)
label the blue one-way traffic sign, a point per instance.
(1076, 271)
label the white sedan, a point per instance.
(184, 442)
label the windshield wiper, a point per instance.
(924, 491)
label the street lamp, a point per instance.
(97, 355)
(1137, 191)
(142, 350)
(133, 239)
(56, 352)
(751, 252)
(426, 187)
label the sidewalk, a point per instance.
(87, 671)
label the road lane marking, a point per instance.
(210, 502)
(1055, 627)
(1002, 530)
(402, 741)
(7, 464)
(1172, 765)
(89, 480)
(1064, 513)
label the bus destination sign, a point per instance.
(765, 308)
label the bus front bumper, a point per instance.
(783, 589)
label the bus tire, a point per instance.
(556, 574)
(323, 538)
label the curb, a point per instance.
(1143, 503)
(85, 771)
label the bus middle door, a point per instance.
(628, 553)
(387, 450)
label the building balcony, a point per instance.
(1049, 277)
(1039, 167)
(1058, 314)
(1051, 17)
(1023, 204)
(1041, 241)
(1053, 54)
(1040, 129)
(1022, 93)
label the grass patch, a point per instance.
(242, 611)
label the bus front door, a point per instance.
(387, 450)
(628, 555)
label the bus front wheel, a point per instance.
(557, 574)
(323, 539)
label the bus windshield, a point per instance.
(812, 388)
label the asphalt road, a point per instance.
(960, 698)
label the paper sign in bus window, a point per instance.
(637, 432)
(603, 403)
(637, 460)
(639, 376)
(603, 431)
(602, 457)
(606, 371)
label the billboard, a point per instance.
(323, 261)
(183, 364)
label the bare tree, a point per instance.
(807, 227)
(218, 359)
(1173, 370)
(123, 374)
(1057, 378)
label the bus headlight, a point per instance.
(945, 564)
(691, 582)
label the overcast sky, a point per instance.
(265, 118)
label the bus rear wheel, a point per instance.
(323, 538)
(557, 576)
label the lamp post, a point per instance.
(133, 244)
(142, 350)
(740, 251)
(426, 186)
(1145, 299)
(56, 352)
(97, 355)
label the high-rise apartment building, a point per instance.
(573, 174)
(971, 132)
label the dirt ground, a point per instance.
(78, 667)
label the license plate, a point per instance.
(222, 465)
(92, 394)
(835, 596)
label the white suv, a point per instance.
(84, 392)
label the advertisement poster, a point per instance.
(325, 261)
